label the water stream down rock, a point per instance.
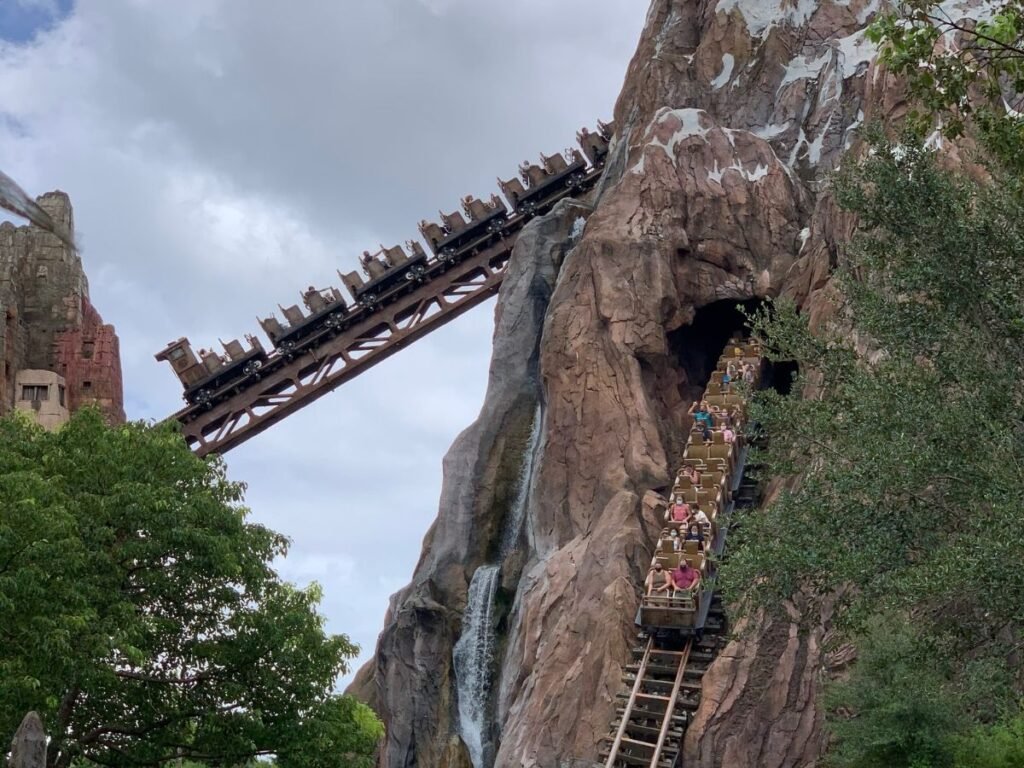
(474, 654)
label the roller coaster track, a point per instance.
(664, 690)
(288, 383)
(664, 683)
(664, 677)
(650, 712)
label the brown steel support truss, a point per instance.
(290, 386)
(290, 383)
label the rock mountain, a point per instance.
(731, 116)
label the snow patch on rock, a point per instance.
(723, 77)
(771, 130)
(761, 15)
(759, 172)
(954, 10)
(848, 142)
(690, 124)
(856, 50)
(866, 11)
(803, 68)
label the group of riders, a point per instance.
(685, 520)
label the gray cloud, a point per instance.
(223, 155)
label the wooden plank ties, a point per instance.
(650, 725)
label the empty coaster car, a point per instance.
(676, 612)
(388, 269)
(207, 376)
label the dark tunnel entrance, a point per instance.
(779, 376)
(699, 345)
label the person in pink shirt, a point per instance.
(685, 577)
(728, 434)
(679, 512)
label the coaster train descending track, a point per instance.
(406, 295)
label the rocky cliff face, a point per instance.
(46, 319)
(731, 115)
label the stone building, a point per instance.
(56, 354)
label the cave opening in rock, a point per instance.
(698, 345)
(779, 375)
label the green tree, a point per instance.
(140, 614)
(895, 710)
(909, 454)
(994, 746)
(961, 72)
(906, 458)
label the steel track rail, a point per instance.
(288, 383)
(670, 709)
(641, 674)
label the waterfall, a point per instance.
(473, 655)
(514, 522)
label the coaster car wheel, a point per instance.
(252, 369)
(204, 399)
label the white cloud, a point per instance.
(222, 156)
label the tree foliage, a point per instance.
(906, 458)
(905, 706)
(910, 450)
(963, 71)
(991, 746)
(896, 710)
(140, 614)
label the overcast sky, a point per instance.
(221, 155)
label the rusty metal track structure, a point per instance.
(289, 382)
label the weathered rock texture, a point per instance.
(481, 470)
(47, 321)
(28, 748)
(731, 116)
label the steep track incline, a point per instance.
(355, 339)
